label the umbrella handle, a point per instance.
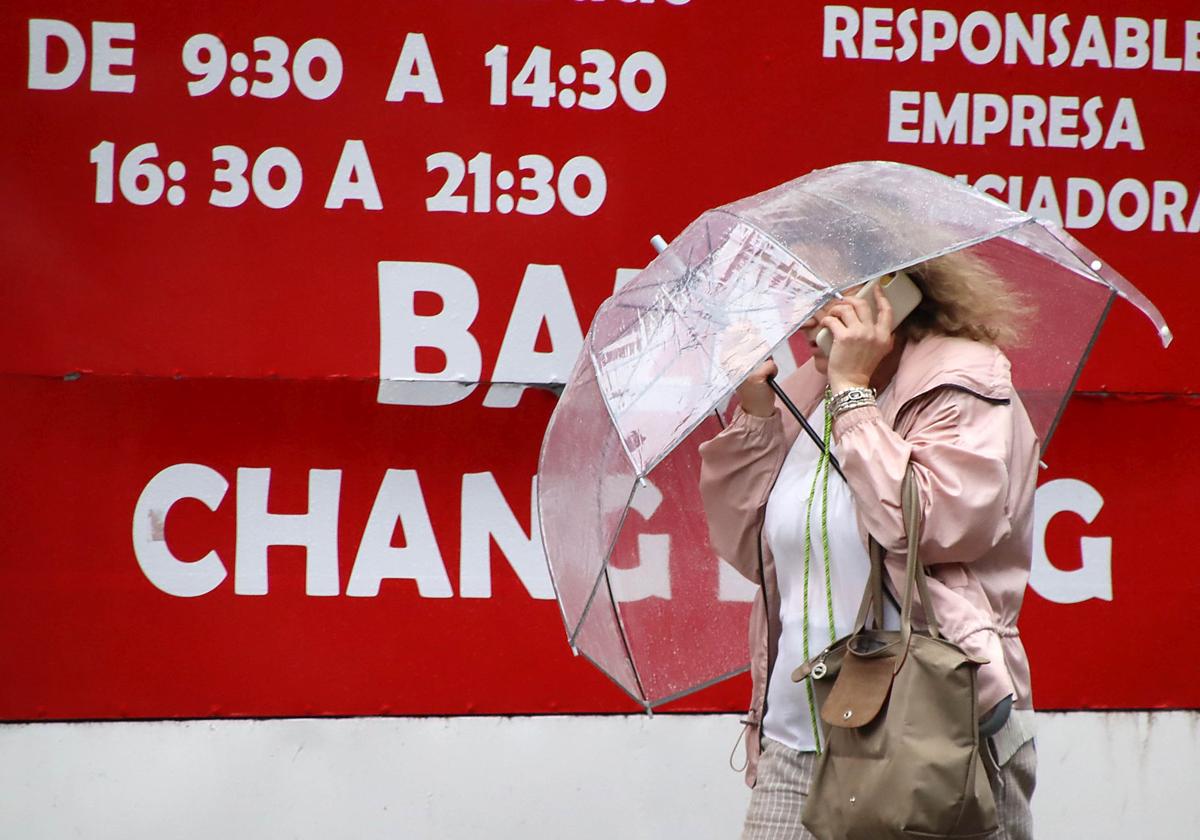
(804, 424)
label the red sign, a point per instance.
(275, 280)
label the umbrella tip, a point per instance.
(1164, 332)
(659, 243)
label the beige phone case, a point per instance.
(902, 293)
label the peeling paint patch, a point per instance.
(157, 525)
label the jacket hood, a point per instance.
(938, 361)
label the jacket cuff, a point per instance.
(852, 419)
(746, 434)
(755, 422)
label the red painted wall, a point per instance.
(136, 337)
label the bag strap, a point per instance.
(914, 577)
(914, 570)
(873, 593)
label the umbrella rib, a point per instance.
(668, 302)
(1079, 368)
(1142, 303)
(702, 416)
(637, 677)
(574, 634)
(615, 681)
(568, 629)
(771, 238)
(603, 576)
(612, 417)
(541, 523)
(691, 271)
(670, 698)
(696, 342)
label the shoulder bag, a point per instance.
(902, 750)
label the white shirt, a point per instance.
(788, 719)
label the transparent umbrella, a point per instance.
(642, 594)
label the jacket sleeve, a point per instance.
(738, 469)
(958, 446)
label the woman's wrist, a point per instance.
(849, 399)
(838, 384)
(760, 411)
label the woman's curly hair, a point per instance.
(962, 296)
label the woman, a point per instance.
(943, 399)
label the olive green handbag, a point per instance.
(901, 757)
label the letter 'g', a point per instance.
(159, 565)
(1094, 578)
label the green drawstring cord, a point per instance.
(822, 472)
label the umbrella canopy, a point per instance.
(641, 592)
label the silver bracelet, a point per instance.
(845, 407)
(851, 398)
(851, 395)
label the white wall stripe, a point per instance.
(1101, 775)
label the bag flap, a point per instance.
(859, 693)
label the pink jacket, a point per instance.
(951, 409)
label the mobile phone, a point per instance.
(902, 293)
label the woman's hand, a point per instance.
(755, 394)
(860, 341)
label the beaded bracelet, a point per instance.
(851, 398)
